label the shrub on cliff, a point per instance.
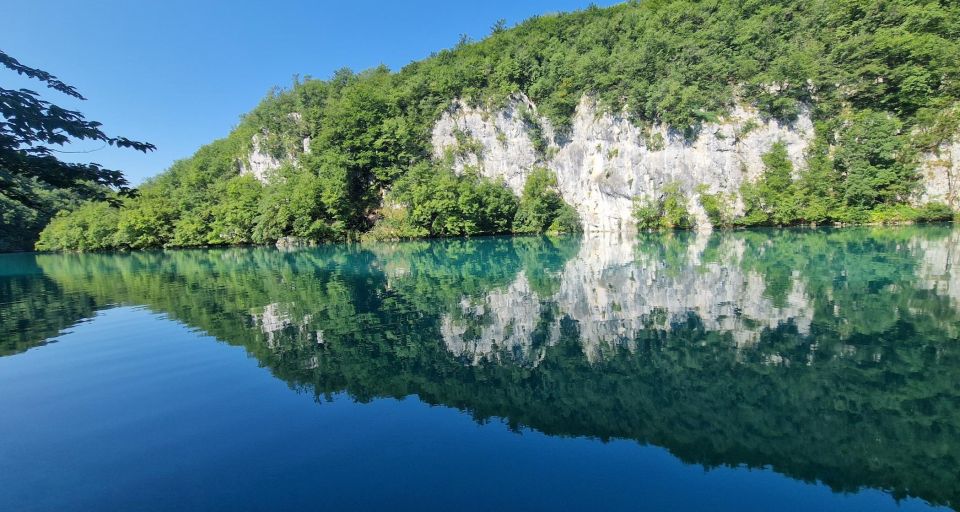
(668, 211)
(440, 203)
(542, 209)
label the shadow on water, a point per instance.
(828, 355)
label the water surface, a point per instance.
(755, 370)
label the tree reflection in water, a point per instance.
(828, 355)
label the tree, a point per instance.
(34, 183)
(31, 125)
(542, 209)
(875, 158)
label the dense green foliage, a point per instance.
(91, 226)
(862, 395)
(433, 201)
(774, 198)
(26, 206)
(668, 211)
(717, 206)
(872, 184)
(542, 209)
(881, 78)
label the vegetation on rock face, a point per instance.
(437, 202)
(774, 198)
(542, 209)
(718, 207)
(430, 200)
(669, 211)
(881, 79)
(870, 182)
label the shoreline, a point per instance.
(306, 244)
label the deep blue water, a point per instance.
(795, 370)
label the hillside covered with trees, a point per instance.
(881, 79)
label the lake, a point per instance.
(746, 370)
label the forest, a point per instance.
(880, 78)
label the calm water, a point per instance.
(762, 370)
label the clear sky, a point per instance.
(179, 73)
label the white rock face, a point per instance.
(606, 160)
(940, 175)
(508, 151)
(260, 164)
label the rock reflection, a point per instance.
(614, 289)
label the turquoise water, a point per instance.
(753, 370)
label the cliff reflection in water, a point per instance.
(614, 290)
(828, 355)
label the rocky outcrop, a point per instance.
(940, 174)
(259, 163)
(289, 243)
(508, 150)
(262, 164)
(605, 161)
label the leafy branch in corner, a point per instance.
(31, 125)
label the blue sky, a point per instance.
(180, 73)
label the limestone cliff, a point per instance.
(605, 160)
(259, 163)
(940, 174)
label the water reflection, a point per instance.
(614, 291)
(828, 355)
